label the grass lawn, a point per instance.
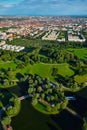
(6, 65)
(81, 53)
(42, 108)
(44, 70)
(81, 78)
(31, 119)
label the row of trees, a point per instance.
(70, 82)
(6, 78)
(52, 51)
(60, 56)
(48, 53)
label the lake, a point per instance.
(31, 119)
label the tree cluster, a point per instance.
(42, 90)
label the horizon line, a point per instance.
(27, 15)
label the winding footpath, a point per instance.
(24, 97)
(74, 113)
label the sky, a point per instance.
(43, 7)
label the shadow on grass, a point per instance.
(19, 76)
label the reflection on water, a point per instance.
(15, 89)
(31, 119)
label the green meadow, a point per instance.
(44, 70)
(81, 78)
(80, 52)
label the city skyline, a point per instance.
(43, 7)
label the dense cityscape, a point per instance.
(61, 29)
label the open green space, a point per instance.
(80, 52)
(7, 64)
(81, 78)
(41, 108)
(45, 70)
(42, 69)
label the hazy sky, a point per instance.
(43, 7)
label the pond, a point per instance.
(31, 119)
(80, 104)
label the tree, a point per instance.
(52, 98)
(31, 90)
(31, 62)
(10, 73)
(75, 85)
(1, 74)
(37, 95)
(49, 90)
(63, 105)
(55, 71)
(39, 89)
(49, 109)
(5, 82)
(58, 106)
(42, 95)
(48, 99)
(6, 121)
(30, 81)
(47, 86)
(10, 110)
(47, 81)
(34, 101)
(54, 110)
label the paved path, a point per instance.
(24, 97)
(52, 64)
(74, 113)
(3, 62)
